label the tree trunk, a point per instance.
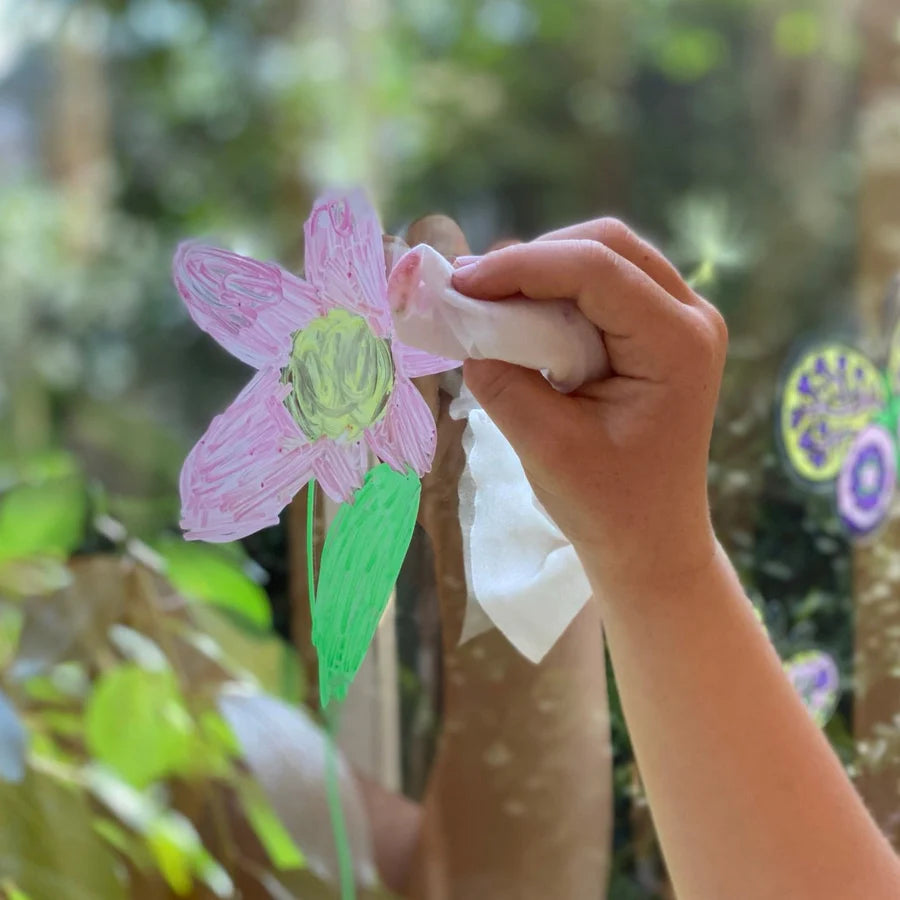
(877, 564)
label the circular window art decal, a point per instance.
(865, 485)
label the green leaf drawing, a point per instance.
(363, 552)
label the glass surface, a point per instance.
(756, 142)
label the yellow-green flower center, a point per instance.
(341, 376)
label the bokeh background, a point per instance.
(756, 141)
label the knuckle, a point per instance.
(597, 257)
(720, 327)
(709, 336)
(610, 229)
(716, 326)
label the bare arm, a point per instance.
(748, 799)
(509, 811)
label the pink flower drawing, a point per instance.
(332, 381)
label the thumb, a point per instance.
(520, 402)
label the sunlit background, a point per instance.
(756, 141)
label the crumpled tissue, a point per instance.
(554, 337)
(520, 568)
(522, 573)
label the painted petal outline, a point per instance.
(251, 308)
(406, 435)
(415, 363)
(247, 466)
(345, 257)
(340, 468)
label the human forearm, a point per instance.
(730, 759)
(519, 803)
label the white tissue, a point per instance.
(522, 575)
(520, 569)
(553, 336)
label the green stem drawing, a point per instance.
(338, 823)
(332, 781)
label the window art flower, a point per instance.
(838, 424)
(815, 677)
(332, 381)
(866, 483)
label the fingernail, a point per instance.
(461, 261)
(465, 273)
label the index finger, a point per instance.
(617, 296)
(619, 237)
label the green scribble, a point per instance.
(310, 541)
(363, 552)
(344, 852)
(341, 376)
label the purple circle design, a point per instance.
(815, 677)
(866, 483)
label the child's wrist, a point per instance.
(664, 571)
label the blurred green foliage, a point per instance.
(122, 769)
(720, 128)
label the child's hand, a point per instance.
(621, 463)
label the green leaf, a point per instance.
(170, 837)
(260, 656)
(12, 892)
(48, 847)
(799, 33)
(39, 467)
(272, 834)
(180, 856)
(363, 552)
(11, 620)
(167, 843)
(137, 724)
(44, 749)
(688, 54)
(33, 576)
(13, 742)
(62, 723)
(215, 575)
(218, 747)
(46, 519)
(125, 842)
(66, 681)
(289, 756)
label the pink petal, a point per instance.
(247, 467)
(340, 469)
(414, 363)
(345, 257)
(251, 308)
(406, 436)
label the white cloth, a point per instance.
(520, 569)
(553, 337)
(522, 575)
